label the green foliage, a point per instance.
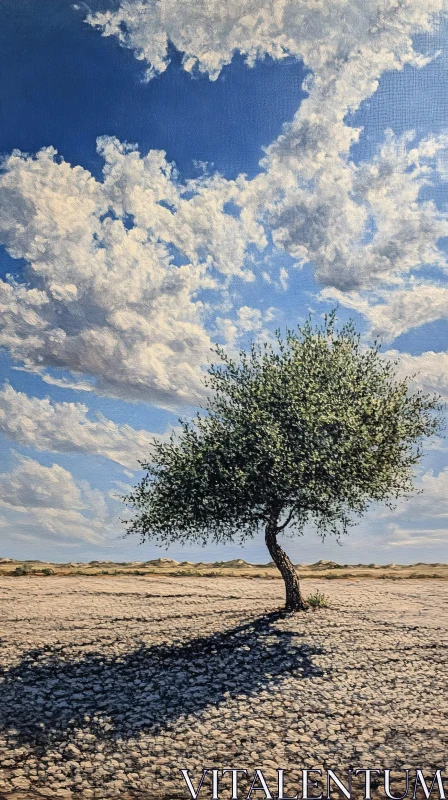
(22, 569)
(318, 600)
(311, 429)
(47, 571)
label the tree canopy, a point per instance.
(310, 428)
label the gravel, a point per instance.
(109, 686)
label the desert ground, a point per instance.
(110, 684)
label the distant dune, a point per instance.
(235, 567)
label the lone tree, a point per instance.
(311, 430)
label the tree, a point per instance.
(311, 429)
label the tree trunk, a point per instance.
(294, 599)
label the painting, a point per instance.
(223, 376)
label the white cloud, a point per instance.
(320, 207)
(247, 320)
(67, 526)
(417, 537)
(433, 502)
(429, 502)
(393, 311)
(420, 521)
(105, 301)
(208, 33)
(50, 501)
(356, 224)
(430, 370)
(31, 485)
(65, 428)
(105, 297)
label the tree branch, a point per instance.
(285, 524)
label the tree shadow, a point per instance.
(47, 696)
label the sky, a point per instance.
(177, 174)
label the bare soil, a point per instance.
(111, 684)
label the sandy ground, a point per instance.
(110, 685)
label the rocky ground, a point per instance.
(110, 685)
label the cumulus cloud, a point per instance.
(247, 322)
(115, 268)
(51, 500)
(432, 503)
(31, 485)
(430, 370)
(418, 537)
(319, 206)
(208, 33)
(393, 311)
(357, 224)
(65, 428)
(104, 295)
(420, 521)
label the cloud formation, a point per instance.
(432, 503)
(113, 288)
(430, 370)
(354, 224)
(114, 270)
(395, 310)
(357, 225)
(65, 428)
(31, 485)
(417, 537)
(323, 34)
(51, 500)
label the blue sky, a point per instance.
(268, 178)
